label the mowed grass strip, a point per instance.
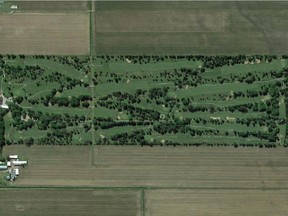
(215, 202)
(44, 33)
(69, 202)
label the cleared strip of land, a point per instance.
(193, 167)
(69, 202)
(44, 33)
(216, 202)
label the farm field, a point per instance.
(153, 181)
(182, 100)
(215, 202)
(190, 27)
(156, 167)
(69, 201)
(45, 33)
(52, 6)
(127, 27)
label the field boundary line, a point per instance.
(92, 53)
(140, 188)
(90, 33)
(92, 112)
(143, 205)
(92, 24)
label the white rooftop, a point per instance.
(13, 156)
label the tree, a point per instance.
(29, 141)
(75, 102)
(85, 104)
(19, 99)
(63, 102)
(262, 107)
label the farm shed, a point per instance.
(13, 156)
(3, 167)
(19, 163)
(16, 171)
(14, 7)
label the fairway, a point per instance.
(44, 33)
(74, 202)
(182, 27)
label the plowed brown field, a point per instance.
(72, 202)
(202, 167)
(44, 33)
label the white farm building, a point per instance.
(19, 163)
(3, 167)
(13, 156)
(14, 7)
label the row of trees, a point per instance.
(209, 61)
(19, 74)
(107, 123)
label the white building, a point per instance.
(19, 163)
(14, 7)
(8, 164)
(13, 156)
(4, 106)
(16, 171)
(3, 167)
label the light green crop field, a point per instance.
(146, 100)
(190, 27)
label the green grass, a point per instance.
(3, 181)
(261, 67)
(5, 6)
(33, 132)
(52, 66)
(151, 67)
